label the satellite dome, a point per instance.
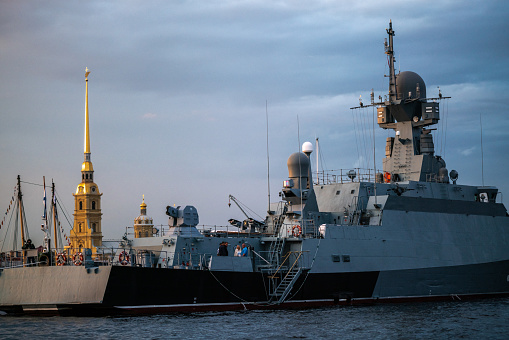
(410, 85)
(307, 147)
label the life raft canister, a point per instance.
(123, 258)
(387, 177)
(61, 259)
(296, 230)
(78, 259)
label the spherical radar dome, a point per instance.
(307, 147)
(406, 85)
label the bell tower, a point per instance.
(86, 231)
(143, 224)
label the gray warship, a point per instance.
(407, 233)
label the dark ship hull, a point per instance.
(135, 290)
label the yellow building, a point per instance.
(143, 224)
(86, 231)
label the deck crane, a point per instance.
(249, 222)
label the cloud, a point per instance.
(469, 151)
(149, 116)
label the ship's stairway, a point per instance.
(278, 221)
(289, 276)
(276, 247)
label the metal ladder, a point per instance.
(279, 220)
(275, 251)
(285, 286)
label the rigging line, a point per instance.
(374, 153)
(441, 131)
(16, 230)
(441, 135)
(268, 159)
(67, 219)
(39, 185)
(322, 158)
(368, 138)
(229, 291)
(446, 118)
(482, 151)
(370, 133)
(247, 208)
(13, 211)
(356, 134)
(437, 136)
(62, 207)
(25, 224)
(364, 134)
(444, 133)
(361, 137)
(362, 141)
(300, 167)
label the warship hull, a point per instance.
(133, 290)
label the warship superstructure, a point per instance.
(407, 233)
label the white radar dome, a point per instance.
(307, 147)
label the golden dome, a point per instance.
(87, 166)
(143, 205)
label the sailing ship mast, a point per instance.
(54, 206)
(20, 206)
(44, 225)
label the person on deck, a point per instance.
(29, 245)
(223, 249)
(244, 250)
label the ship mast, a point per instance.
(44, 225)
(20, 206)
(389, 50)
(54, 205)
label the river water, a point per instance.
(485, 319)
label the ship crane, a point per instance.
(249, 222)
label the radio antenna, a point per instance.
(268, 162)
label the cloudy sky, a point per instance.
(179, 90)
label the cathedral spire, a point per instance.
(87, 133)
(86, 168)
(87, 229)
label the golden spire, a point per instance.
(87, 135)
(87, 164)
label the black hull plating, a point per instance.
(135, 290)
(147, 286)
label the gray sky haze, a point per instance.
(178, 93)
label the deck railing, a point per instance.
(325, 177)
